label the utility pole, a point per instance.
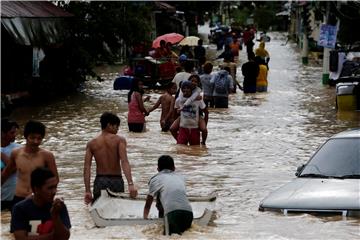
(305, 49)
(326, 56)
(306, 31)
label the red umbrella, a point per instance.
(169, 37)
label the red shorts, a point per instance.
(188, 136)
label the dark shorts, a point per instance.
(188, 136)
(178, 221)
(136, 127)
(10, 204)
(114, 182)
(221, 102)
(261, 89)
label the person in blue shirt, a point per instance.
(8, 135)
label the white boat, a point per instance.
(114, 209)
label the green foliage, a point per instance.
(349, 15)
(240, 15)
(263, 13)
(264, 18)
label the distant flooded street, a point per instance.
(253, 148)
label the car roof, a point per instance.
(350, 133)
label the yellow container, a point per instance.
(346, 102)
(345, 96)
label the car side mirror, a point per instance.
(299, 169)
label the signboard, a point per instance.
(327, 36)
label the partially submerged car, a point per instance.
(328, 183)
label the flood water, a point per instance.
(253, 148)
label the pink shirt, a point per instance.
(135, 115)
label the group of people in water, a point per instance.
(185, 103)
(29, 174)
(29, 179)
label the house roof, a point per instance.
(164, 6)
(34, 23)
(31, 9)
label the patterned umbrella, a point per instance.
(169, 37)
(190, 41)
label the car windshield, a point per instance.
(339, 158)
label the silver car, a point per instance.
(328, 183)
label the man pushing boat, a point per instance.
(169, 187)
(109, 151)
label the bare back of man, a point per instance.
(167, 105)
(109, 151)
(25, 160)
(167, 102)
(105, 149)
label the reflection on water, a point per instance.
(253, 148)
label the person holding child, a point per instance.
(195, 95)
(190, 122)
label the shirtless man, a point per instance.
(167, 102)
(109, 151)
(25, 159)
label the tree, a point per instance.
(101, 28)
(349, 15)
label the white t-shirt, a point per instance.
(189, 115)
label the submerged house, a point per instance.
(32, 35)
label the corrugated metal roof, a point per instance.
(165, 6)
(38, 9)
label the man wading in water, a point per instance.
(109, 151)
(24, 160)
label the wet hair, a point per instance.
(109, 118)
(33, 126)
(7, 125)
(135, 87)
(197, 78)
(162, 42)
(39, 177)
(170, 85)
(166, 162)
(185, 84)
(208, 67)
